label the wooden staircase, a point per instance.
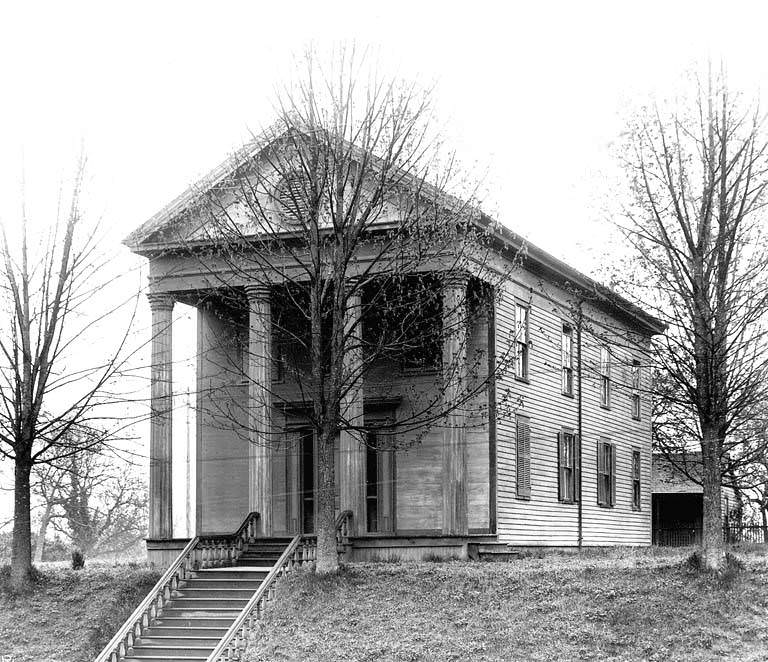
(204, 606)
(210, 598)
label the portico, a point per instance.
(255, 446)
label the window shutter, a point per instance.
(613, 474)
(600, 473)
(560, 472)
(576, 471)
(523, 458)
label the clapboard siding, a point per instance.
(542, 519)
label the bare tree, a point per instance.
(92, 498)
(699, 171)
(49, 286)
(346, 204)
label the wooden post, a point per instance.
(454, 479)
(351, 442)
(259, 403)
(160, 433)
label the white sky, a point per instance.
(534, 92)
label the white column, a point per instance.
(259, 403)
(454, 483)
(352, 442)
(161, 434)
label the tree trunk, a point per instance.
(40, 540)
(764, 512)
(713, 547)
(21, 548)
(327, 556)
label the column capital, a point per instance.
(160, 301)
(258, 291)
(455, 279)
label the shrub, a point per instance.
(78, 560)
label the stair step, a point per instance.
(253, 572)
(207, 583)
(194, 621)
(186, 631)
(164, 658)
(188, 639)
(213, 593)
(182, 651)
(207, 603)
(190, 612)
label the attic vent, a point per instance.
(293, 199)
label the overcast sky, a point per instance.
(534, 93)
(159, 92)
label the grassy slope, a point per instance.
(69, 615)
(627, 606)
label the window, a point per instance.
(521, 341)
(566, 359)
(567, 466)
(635, 479)
(605, 376)
(606, 473)
(379, 483)
(636, 389)
(523, 457)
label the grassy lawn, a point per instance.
(630, 605)
(618, 605)
(69, 615)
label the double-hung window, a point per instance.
(567, 450)
(521, 341)
(635, 479)
(606, 473)
(605, 376)
(636, 389)
(566, 359)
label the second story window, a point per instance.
(566, 359)
(636, 389)
(605, 376)
(521, 341)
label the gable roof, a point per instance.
(536, 259)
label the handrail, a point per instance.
(232, 642)
(200, 551)
(342, 526)
(123, 638)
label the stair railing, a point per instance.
(299, 551)
(343, 524)
(207, 551)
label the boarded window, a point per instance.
(523, 434)
(566, 359)
(606, 473)
(635, 479)
(521, 341)
(636, 389)
(567, 465)
(605, 376)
